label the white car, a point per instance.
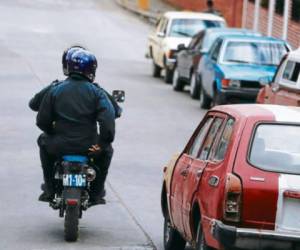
(173, 29)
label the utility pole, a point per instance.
(271, 16)
(286, 19)
(245, 10)
(256, 15)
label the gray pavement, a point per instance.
(156, 123)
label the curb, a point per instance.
(151, 17)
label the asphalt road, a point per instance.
(156, 123)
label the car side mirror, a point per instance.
(160, 34)
(275, 88)
(119, 95)
(181, 47)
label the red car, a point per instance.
(236, 185)
(285, 89)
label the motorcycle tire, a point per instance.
(71, 223)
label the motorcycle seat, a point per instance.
(75, 158)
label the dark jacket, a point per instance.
(36, 101)
(69, 113)
(118, 109)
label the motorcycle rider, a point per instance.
(68, 115)
(36, 101)
(104, 158)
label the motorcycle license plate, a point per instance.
(74, 180)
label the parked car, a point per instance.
(285, 88)
(236, 67)
(176, 28)
(236, 185)
(189, 57)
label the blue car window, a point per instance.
(216, 50)
(259, 53)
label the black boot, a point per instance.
(47, 195)
(97, 199)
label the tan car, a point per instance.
(175, 28)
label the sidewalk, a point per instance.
(156, 8)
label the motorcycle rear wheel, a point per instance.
(71, 223)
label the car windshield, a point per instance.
(190, 27)
(211, 37)
(276, 148)
(259, 53)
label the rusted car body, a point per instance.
(236, 185)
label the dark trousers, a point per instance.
(102, 162)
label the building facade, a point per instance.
(230, 9)
(278, 18)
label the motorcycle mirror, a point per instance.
(119, 95)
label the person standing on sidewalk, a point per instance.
(211, 9)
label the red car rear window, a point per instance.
(276, 148)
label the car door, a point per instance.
(188, 57)
(154, 39)
(191, 185)
(182, 170)
(161, 42)
(181, 60)
(209, 74)
(194, 54)
(197, 53)
(157, 40)
(215, 173)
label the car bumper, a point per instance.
(247, 238)
(170, 63)
(242, 93)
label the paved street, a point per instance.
(156, 123)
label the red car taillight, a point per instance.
(233, 197)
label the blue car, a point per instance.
(189, 57)
(236, 67)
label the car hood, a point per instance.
(248, 72)
(173, 42)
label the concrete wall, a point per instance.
(232, 10)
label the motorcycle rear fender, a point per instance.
(72, 196)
